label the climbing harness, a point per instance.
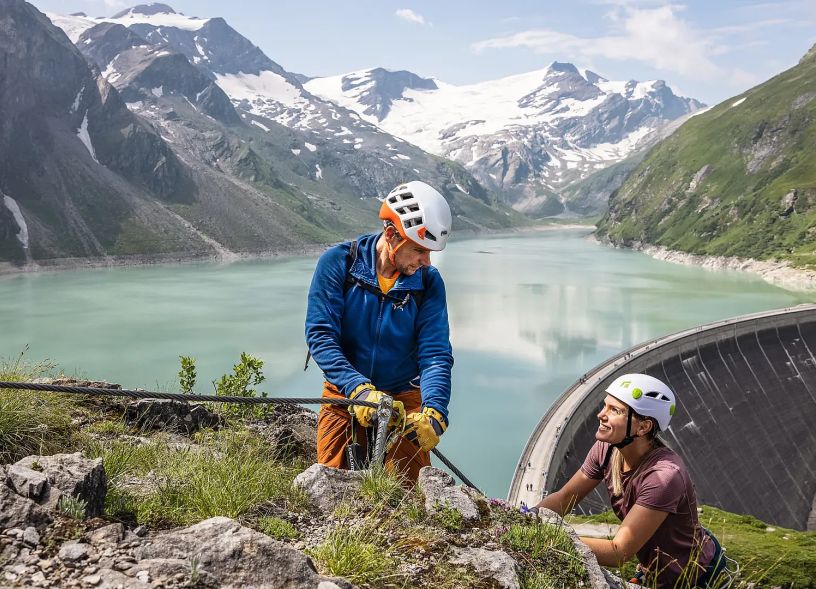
(384, 409)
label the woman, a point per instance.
(649, 488)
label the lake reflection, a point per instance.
(529, 315)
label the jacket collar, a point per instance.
(365, 266)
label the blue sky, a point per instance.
(709, 50)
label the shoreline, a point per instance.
(8, 269)
(778, 273)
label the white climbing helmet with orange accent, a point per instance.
(646, 395)
(420, 214)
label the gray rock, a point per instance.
(328, 486)
(74, 551)
(171, 416)
(494, 564)
(236, 556)
(25, 481)
(19, 512)
(111, 534)
(75, 475)
(165, 570)
(440, 491)
(30, 536)
(140, 531)
(110, 579)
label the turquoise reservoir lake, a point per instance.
(530, 313)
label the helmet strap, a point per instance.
(392, 251)
(629, 438)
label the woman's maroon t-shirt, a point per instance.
(660, 482)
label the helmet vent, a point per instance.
(413, 222)
(406, 196)
(430, 236)
(657, 395)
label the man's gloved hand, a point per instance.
(424, 428)
(366, 415)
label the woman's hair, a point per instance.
(617, 456)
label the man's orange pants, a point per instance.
(334, 434)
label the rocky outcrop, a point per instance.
(441, 492)
(175, 416)
(46, 479)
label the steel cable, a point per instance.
(136, 394)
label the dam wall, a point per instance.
(745, 423)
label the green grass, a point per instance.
(547, 553)
(355, 554)
(380, 486)
(108, 427)
(32, 423)
(229, 476)
(449, 518)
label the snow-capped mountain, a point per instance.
(527, 136)
(117, 141)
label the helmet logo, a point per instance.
(421, 232)
(637, 393)
(671, 409)
(625, 384)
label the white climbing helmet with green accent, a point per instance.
(646, 395)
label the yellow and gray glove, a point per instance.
(366, 415)
(424, 428)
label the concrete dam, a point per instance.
(745, 423)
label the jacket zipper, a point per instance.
(377, 338)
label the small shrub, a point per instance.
(246, 375)
(449, 518)
(72, 506)
(187, 374)
(277, 528)
(347, 553)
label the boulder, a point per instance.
(168, 415)
(72, 474)
(111, 579)
(20, 512)
(328, 486)
(441, 491)
(234, 555)
(493, 564)
(26, 482)
(110, 534)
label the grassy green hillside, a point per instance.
(737, 180)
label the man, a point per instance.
(377, 322)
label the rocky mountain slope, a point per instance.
(738, 180)
(131, 148)
(527, 136)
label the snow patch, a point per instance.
(310, 147)
(134, 105)
(318, 172)
(73, 26)
(266, 85)
(740, 101)
(296, 151)
(77, 100)
(179, 21)
(260, 125)
(402, 156)
(158, 92)
(22, 234)
(83, 135)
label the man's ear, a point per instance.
(392, 235)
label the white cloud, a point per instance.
(656, 36)
(410, 16)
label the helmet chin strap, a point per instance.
(392, 251)
(628, 438)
